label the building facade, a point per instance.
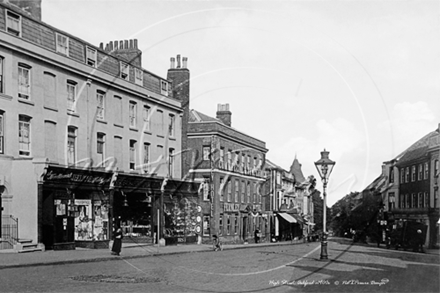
(86, 135)
(230, 165)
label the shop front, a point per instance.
(75, 208)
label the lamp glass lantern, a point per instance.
(324, 167)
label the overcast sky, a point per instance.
(358, 78)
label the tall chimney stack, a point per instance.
(224, 114)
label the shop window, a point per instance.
(206, 225)
(24, 135)
(228, 224)
(236, 229)
(91, 221)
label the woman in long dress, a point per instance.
(117, 242)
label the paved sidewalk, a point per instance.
(132, 250)
(80, 255)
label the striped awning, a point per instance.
(288, 218)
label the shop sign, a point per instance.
(231, 207)
(71, 176)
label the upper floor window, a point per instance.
(164, 88)
(62, 44)
(248, 191)
(138, 76)
(2, 131)
(436, 168)
(243, 191)
(125, 70)
(71, 95)
(132, 154)
(100, 146)
(426, 171)
(427, 204)
(222, 154)
(91, 56)
(420, 172)
(171, 162)
(229, 191)
(100, 101)
(172, 122)
(206, 153)
(132, 113)
(1, 74)
(206, 189)
(146, 157)
(24, 135)
(406, 174)
(146, 116)
(13, 23)
(221, 189)
(237, 190)
(402, 175)
(24, 81)
(118, 109)
(71, 145)
(413, 173)
(421, 200)
(391, 175)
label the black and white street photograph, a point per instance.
(219, 146)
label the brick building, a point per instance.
(229, 163)
(86, 136)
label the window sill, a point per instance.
(147, 132)
(50, 108)
(6, 97)
(160, 135)
(118, 125)
(73, 114)
(133, 129)
(101, 121)
(26, 102)
(172, 138)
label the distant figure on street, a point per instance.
(217, 245)
(419, 241)
(257, 235)
(117, 241)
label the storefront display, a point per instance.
(91, 222)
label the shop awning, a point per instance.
(288, 217)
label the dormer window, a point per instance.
(139, 76)
(62, 44)
(164, 88)
(13, 23)
(91, 56)
(124, 70)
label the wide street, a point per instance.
(286, 268)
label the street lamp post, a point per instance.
(324, 167)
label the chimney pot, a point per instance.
(224, 114)
(184, 62)
(131, 44)
(178, 61)
(135, 43)
(126, 44)
(101, 46)
(172, 62)
(115, 45)
(121, 45)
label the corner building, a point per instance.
(87, 137)
(229, 164)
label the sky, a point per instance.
(360, 79)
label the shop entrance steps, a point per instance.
(26, 245)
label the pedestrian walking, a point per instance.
(217, 245)
(419, 241)
(257, 235)
(117, 242)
